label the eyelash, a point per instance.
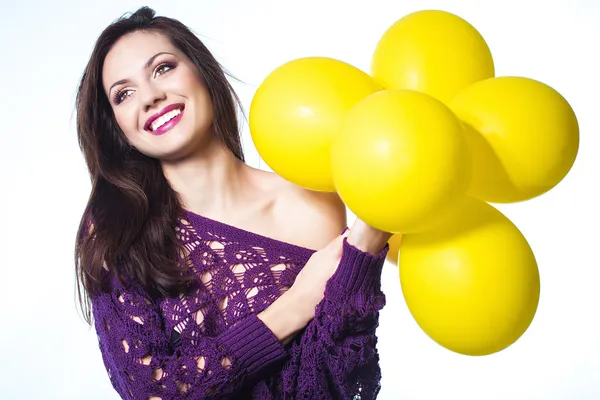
(117, 97)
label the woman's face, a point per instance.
(157, 95)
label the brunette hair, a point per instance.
(129, 221)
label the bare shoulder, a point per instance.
(308, 218)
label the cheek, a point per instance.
(128, 124)
(203, 99)
(194, 84)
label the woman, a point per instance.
(207, 278)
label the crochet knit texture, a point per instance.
(209, 343)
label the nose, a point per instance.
(150, 96)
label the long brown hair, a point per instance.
(132, 207)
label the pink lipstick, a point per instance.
(164, 120)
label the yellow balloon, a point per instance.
(523, 136)
(400, 160)
(297, 109)
(472, 283)
(394, 242)
(432, 51)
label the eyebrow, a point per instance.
(146, 66)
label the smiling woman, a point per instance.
(203, 276)
(136, 83)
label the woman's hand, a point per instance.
(296, 307)
(309, 287)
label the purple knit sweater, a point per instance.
(210, 343)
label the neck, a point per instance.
(210, 182)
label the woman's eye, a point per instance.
(164, 68)
(121, 95)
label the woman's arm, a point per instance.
(368, 239)
(338, 349)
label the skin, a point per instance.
(213, 183)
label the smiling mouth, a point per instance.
(164, 119)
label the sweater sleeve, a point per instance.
(142, 365)
(338, 349)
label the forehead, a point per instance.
(129, 54)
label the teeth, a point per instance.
(164, 119)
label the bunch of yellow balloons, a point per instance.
(420, 147)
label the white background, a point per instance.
(48, 352)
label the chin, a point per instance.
(177, 145)
(176, 153)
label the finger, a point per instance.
(336, 242)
